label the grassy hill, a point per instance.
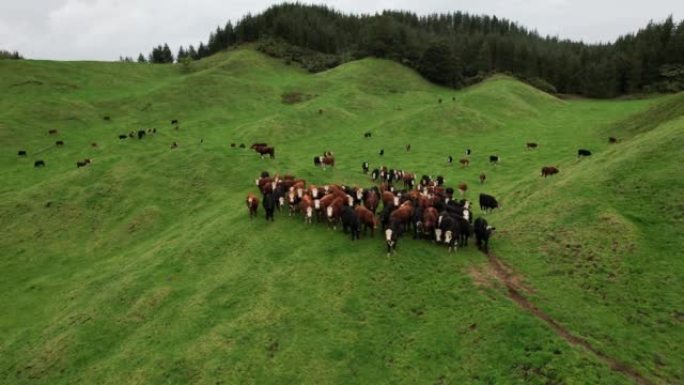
(145, 268)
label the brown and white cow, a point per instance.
(252, 205)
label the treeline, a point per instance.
(10, 55)
(457, 49)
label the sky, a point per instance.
(107, 29)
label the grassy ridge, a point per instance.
(144, 268)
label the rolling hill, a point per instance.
(145, 268)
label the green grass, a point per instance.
(145, 268)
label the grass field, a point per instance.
(144, 268)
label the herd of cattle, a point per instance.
(426, 209)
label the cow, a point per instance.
(242, 145)
(548, 171)
(93, 145)
(351, 222)
(483, 177)
(375, 174)
(365, 167)
(320, 111)
(403, 214)
(531, 145)
(439, 100)
(582, 152)
(447, 227)
(482, 233)
(465, 162)
(367, 219)
(141, 134)
(232, 145)
(252, 205)
(367, 134)
(21, 153)
(467, 152)
(131, 134)
(174, 121)
(462, 187)
(306, 207)
(154, 130)
(106, 117)
(333, 211)
(439, 181)
(382, 152)
(494, 159)
(123, 136)
(174, 145)
(39, 163)
(328, 161)
(371, 201)
(317, 160)
(83, 163)
(612, 139)
(488, 202)
(450, 160)
(59, 143)
(254, 146)
(269, 206)
(53, 132)
(408, 147)
(265, 150)
(392, 236)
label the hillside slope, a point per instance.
(144, 267)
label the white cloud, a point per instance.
(105, 29)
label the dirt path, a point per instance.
(516, 289)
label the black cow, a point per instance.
(382, 151)
(141, 134)
(467, 152)
(365, 166)
(317, 160)
(482, 234)
(375, 174)
(450, 159)
(583, 152)
(488, 202)
(448, 230)
(439, 180)
(123, 136)
(265, 174)
(21, 153)
(367, 134)
(350, 221)
(154, 130)
(106, 117)
(269, 204)
(494, 159)
(242, 145)
(175, 121)
(59, 143)
(39, 163)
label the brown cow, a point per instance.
(531, 145)
(371, 202)
(462, 187)
(482, 177)
(367, 218)
(52, 132)
(306, 206)
(464, 162)
(548, 171)
(430, 216)
(334, 210)
(93, 145)
(403, 214)
(389, 199)
(252, 205)
(328, 161)
(83, 163)
(265, 150)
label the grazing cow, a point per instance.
(106, 117)
(242, 145)
(131, 134)
(392, 236)
(465, 162)
(482, 233)
(467, 152)
(59, 143)
(141, 134)
(39, 163)
(583, 152)
(612, 139)
(382, 152)
(365, 166)
(450, 160)
(269, 206)
(93, 145)
(320, 111)
(439, 100)
(52, 132)
(483, 177)
(494, 159)
(270, 151)
(367, 134)
(488, 202)
(408, 147)
(232, 145)
(548, 171)
(123, 136)
(21, 153)
(462, 187)
(531, 145)
(154, 130)
(82, 163)
(350, 221)
(252, 205)
(367, 218)
(175, 121)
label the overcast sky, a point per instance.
(105, 29)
